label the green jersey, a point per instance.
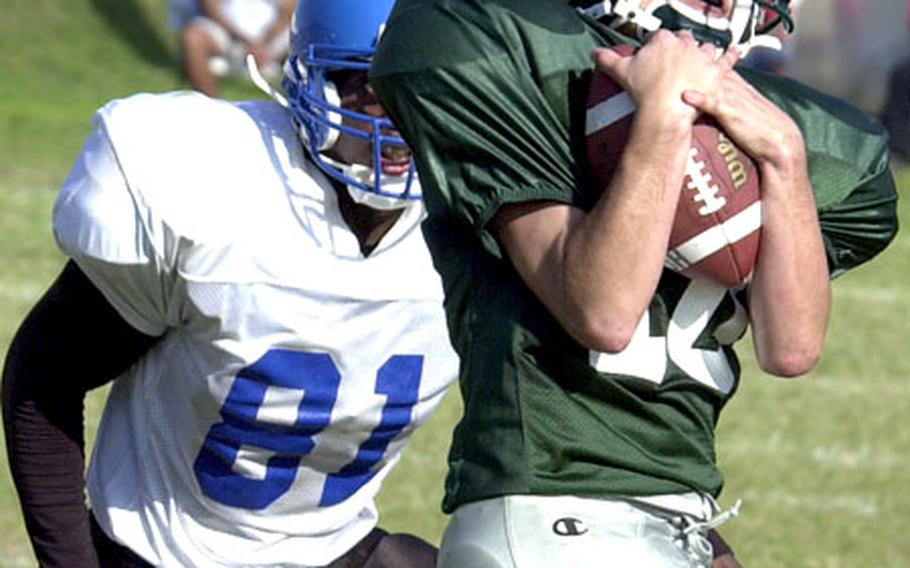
(491, 95)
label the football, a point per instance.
(716, 230)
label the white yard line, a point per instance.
(839, 456)
(856, 504)
(878, 294)
(893, 388)
(20, 292)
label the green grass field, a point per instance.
(821, 463)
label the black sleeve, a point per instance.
(72, 341)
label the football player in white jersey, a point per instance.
(253, 279)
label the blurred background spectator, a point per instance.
(180, 12)
(896, 112)
(216, 35)
(858, 50)
(848, 47)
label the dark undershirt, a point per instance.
(72, 341)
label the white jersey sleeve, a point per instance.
(97, 222)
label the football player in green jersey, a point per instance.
(592, 376)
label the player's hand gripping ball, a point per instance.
(716, 230)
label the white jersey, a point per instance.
(292, 370)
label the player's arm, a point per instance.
(72, 341)
(723, 554)
(597, 271)
(789, 295)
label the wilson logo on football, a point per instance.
(739, 175)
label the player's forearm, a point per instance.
(71, 342)
(614, 258)
(596, 271)
(789, 295)
(43, 430)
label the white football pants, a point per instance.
(527, 531)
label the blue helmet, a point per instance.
(333, 35)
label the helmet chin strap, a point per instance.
(393, 185)
(252, 69)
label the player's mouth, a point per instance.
(395, 160)
(709, 8)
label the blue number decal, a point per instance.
(399, 380)
(313, 373)
(318, 379)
